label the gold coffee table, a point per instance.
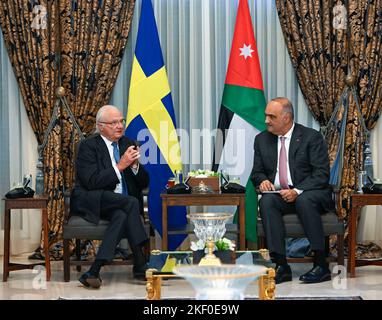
(156, 273)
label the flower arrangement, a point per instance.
(203, 173)
(220, 245)
(198, 245)
(225, 244)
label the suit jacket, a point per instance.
(308, 159)
(95, 174)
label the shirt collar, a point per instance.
(288, 135)
(107, 141)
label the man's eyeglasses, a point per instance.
(115, 123)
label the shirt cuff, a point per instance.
(135, 169)
(118, 173)
(298, 191)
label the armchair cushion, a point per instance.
(293, 227)
(77, 227)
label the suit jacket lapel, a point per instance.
(273, 153)
(103, 150)
(293, 147)
(122, 143)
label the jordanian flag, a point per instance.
(242, 112)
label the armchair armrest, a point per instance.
(337, 200)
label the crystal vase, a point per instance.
(226, 282)
(209, 227)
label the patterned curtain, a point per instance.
(326, 40)
(78, 45)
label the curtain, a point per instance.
(323, 52)
(90, 37)
(180, 29)
(196, 41)
(31, 52)
(18, 156)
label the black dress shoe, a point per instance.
(316, 274)
(283, 274)
(140, 272)
(89, 280)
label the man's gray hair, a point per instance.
(287, 105)
(100, 113)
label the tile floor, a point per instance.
(119, 284)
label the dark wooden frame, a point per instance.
(359, 200)
(40, 202)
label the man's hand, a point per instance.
(130, 156)
(266, 185)
(288, 195)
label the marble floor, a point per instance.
(118, 283)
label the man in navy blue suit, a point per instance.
(293, 159)
(109, 184)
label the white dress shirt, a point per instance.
(288, 137)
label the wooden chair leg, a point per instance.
(261, 242)
(146, 249)
(340, 249)
(78, 253)
(327, 246)
(66, 261)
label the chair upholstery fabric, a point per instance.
(293, 227)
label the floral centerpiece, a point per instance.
(203, 173)
(223, 249)
(206, 177)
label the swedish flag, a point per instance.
(151, 120)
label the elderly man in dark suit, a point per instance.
(109, 184)
(293, 160)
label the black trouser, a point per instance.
(122, 212)
(309, 206)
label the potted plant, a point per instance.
(224, 250)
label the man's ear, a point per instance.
(287, 117)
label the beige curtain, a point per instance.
(80, 42)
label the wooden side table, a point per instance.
(359, 200)
(201, 199)
(25, 203)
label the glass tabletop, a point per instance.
(164, 261)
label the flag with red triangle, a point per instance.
(242, 112)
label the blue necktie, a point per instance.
(117, 158)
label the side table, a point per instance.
(203, 199)
(359, 200)
(40, 202)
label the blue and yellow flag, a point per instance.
(151, 121)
